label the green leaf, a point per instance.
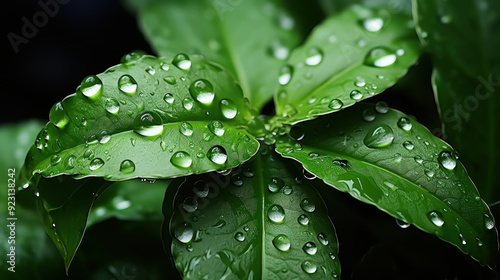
(462, 41)
(142, 118)
(64, 205)
(385, 158)
(349, 57)
(130, 200)
(260, 221)
(248, 38)
(394, 6)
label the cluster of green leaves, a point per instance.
(237, 187)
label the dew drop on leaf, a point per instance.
(408, 145)
(186, 129)
(127, 166)
(275, 185)
(170, 80)
(276, 214)
(296, 133)
(282, 242)
(303, 219)
(310, 248)
(228, 108)
(187, 103)
(373, 24)
(91, 86)
(96, 163)
(217, 154)
(369, 115)
(217, 128)
(309, 267)
(314, 56)
(183, 233)
(402, 224)
(148, 123)
(336, 104)
(489, 223)
(239, 236)
(55, 159)
(181, 159)
(200, 189)
(404, 123)
(436, 218)
(447, 160)
(132, 56)
(182, 61)
(203, 91)
(307, 205)
(381, 107)
(127, 84)
(58, 116)
(112, 106)
(379, 137)
(190, 204)
(323, 239)
(356, 95)
(70, 162)
(169, 98)
(380, 57)
(285, 74)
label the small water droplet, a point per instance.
(91, 86)
(190, 204)
(380, 57)
(187, 103)
(382, 107)
(373, 24)
(96, 164)
(323, 239)
(182, 61)
(217, 154)
(228, 108)
(170, 80)
(183, 233)
(132, 56)
(369, 115)
(239, 236)
(287, 190)
(203, 91)
(462, 239)
(70, 162)
(408, 145)
(58, 116)
(275, 185)
(282, 242)
(112, 106)
(307, 205)
(404, 123)
(402, 224)
(309, 267)
(236, 180)
(447, 160)
(217, 128)
(248, 172)
(314, 56)
(336, 104)
(379, 137)
(356, 95)
(127, 84)
(186, 129)
(303, 220)
(127, 166)
(200, 189)
(489, 223)
(148, 123)
(285, 74)
(55, 159)
(181, 159)
(436, 218)
(169, 98)
(296, 133)
(276, 214)
(150, 70)
(310, 248)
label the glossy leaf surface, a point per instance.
(386, 158)
(260, 221)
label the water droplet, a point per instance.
(402, 224)
(239, 236)
(462, 239)
(336, 104)
(382, 107)
(182, 61)
(276, 214)
(436, 218)
(203, 91)
(373, 24)
(91, 86)
(369, 115)
(127, 166)
(132, 56)
(186, 129)
(58, 116)
(314, 56)
(360, 83)
(285, 74)
(408, 145)
(112, 106)
(170, 80)
(55, 159)
(404, 123)
(96, 164)
(217, 128)
(70, 162)
(307, 205)
(296, 133)
(282, 242)
(323, 239)
(187, 103)
(310, 248)
(148, 123)
(279, 51)
(308, 175)
(275, 185)
(489, 223)
(418, 159)
(303, 220)
(217, 154)
(479, 242)
(356, 95)
(447, 160)
(379, 137)
(445, 19)
(150, 70)
(248, 172)
(183, 233)
(236, 180)
(190, 204)
(309, 267)
(287, 190)
(181, 159)
(228, 108)
(200, 189)
(169, 98)
(127, 84)
(380, 57)
(341, 162)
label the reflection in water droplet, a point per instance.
(322, 239)
(282, 242)
(408, 145)
(127, 84)
(336, 104)
(203, 91)
(127, 166)
(217, 154)
(91, 86)
(190, 204)
(307, 205)
(303, 220)
(356, 95)
(182, 61)
(58, 116)
(402, 224)
(186, 129)
(239, 236)
(112, 106)
(404, 123)
(489, 223)
(169, 98)
(275, 185)
(228, 108)
(369, 115)
(217, 128)
(148, 123)
(373, 24)
(447, 160)
(183, 233)
(381, 107)
(181, 159)
(276, 214)
(55, 159)
(379, 137)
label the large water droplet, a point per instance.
(127, 166)
(148, 123)
(404, 123)
(314, 56)
(182, 61)
(336, 104)
(181, 159)
(380, 57)
(186, 129)
(217, 154)
(96, 163)
(127, 84)
(217, 128)
(379, 137)
(356, 95)
(307, 205)
(285, 74)
(275, 185)
(436, 218)
(276, 214)
(309, 267)
(447, 160)
(373, 24)
(203, 91)
(91, 86)
(228, 108)
(310, 248)
(58, 116)
(112, 106)
(183, 233)
(282, 242)
(382, 107)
